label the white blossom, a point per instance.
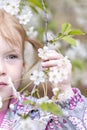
(38, 77)
(61, 72)
(50, 36)
(58, 75)
(11, 7)
(25, 15)
(65, 95)
(43, 99)
(11, 106)
(42, 52)
(31, 33)
(56, 45)
(54, 76)
(55, 90)
(63, 62)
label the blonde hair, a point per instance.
(10, 29)
(13, 32)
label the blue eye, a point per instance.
(12, 57)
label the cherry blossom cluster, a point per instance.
(57, 74)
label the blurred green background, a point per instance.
(75, 13)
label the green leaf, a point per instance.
(51, 107)
(66, 27)
(34, 9)
(60, 35)
(78, 64)
(36, 3)
(76, 32)
(28, 102)
(69, 40)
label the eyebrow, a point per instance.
(14, 51)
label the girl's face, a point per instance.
(11, 65)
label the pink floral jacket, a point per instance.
(74, 115)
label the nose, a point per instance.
(2, 68)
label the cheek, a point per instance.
(16, 75)
(17, 80)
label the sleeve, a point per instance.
(73, 100)
(74, 111)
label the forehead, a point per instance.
(6, 45)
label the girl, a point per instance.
(12, 67)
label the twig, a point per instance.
(46, 22)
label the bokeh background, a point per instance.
(75, 13)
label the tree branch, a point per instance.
(46, 22)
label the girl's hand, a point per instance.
(61, 65)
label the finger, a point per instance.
(52, 55)
(49, 63)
